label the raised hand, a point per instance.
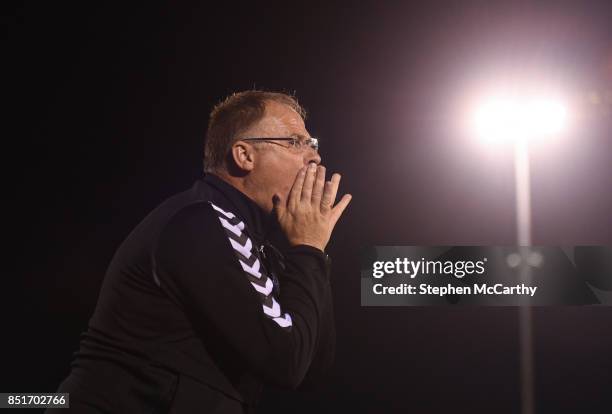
(309, 216)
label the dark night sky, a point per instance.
(109, 105)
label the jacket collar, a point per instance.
(258, 221)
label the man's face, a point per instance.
(277, 163)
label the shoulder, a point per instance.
(193, 235)
(198, 217)
(203, 222)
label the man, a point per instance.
(223, 287)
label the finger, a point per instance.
(340, 207)
(296, 189)
(308, 182)
(326, 201)
(331, 189)
(317, 189)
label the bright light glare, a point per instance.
(505, 118)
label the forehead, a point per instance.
(280, 119)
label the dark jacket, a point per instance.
(202, 304)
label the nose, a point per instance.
(312, 156)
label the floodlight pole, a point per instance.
(523, 192)
(523, 231)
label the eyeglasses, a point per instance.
(296, 143)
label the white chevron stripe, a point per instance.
(236, 229)
(244, 250)
(274, 311)
(254, 270)
(284, 322)
(225, 213)
(265, 290)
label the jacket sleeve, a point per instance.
(205, 272)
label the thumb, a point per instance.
(277, 205)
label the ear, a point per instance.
(243, 155)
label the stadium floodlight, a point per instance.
(521, 119)
(504, 118)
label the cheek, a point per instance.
(287, 178)
(293, 172)
(282, 172)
